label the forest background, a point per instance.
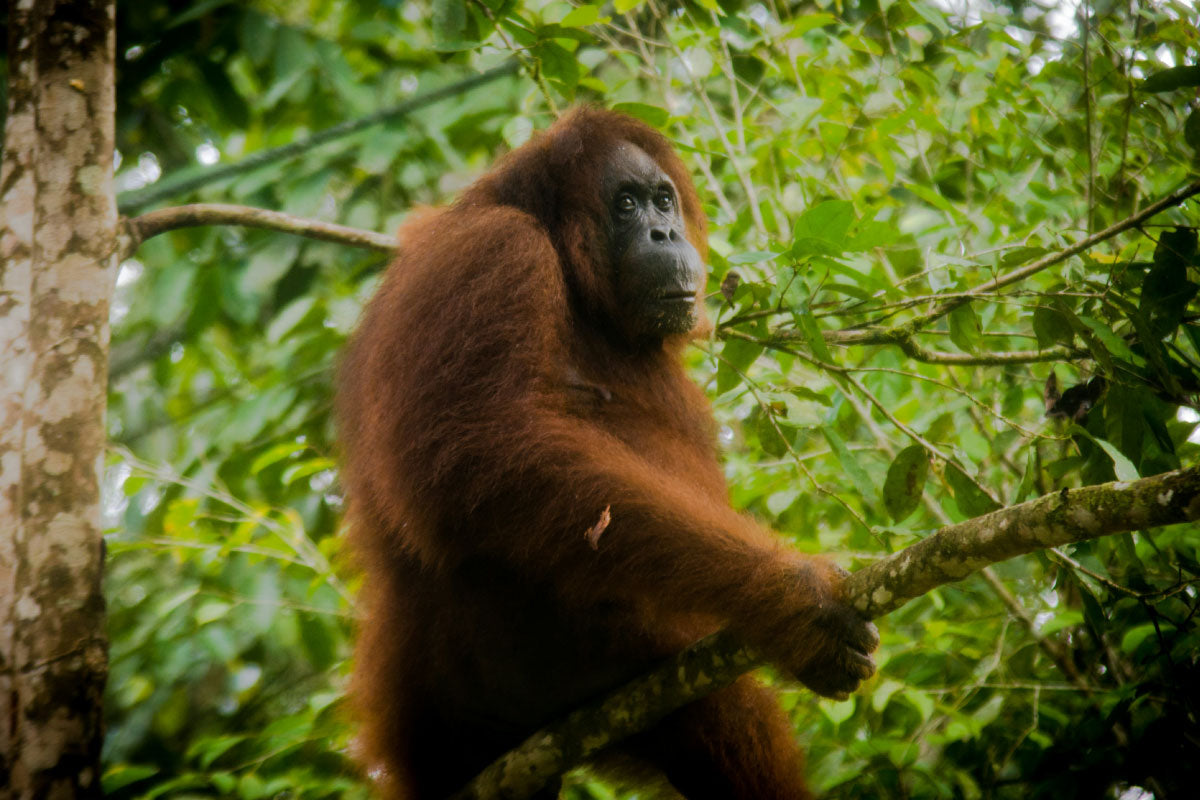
(895, 349)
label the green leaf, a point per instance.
(1134, 637)
(858, 475)
(1113, 343)
(211, 611)
(196, 11)
(1166, 291)
(169, 298)
(449, 21)
(119, 776)
(812, 333)
(930, 196)
(251, 787)
(838, 712)
(582, 16)
(1028, 478)
(736, 357)
(1093, 610)
(965, 330)
(821, 230)
(268, 265)
(1019, 255)
(1191, 129)
(275, 454)
(318, 640)
(1066, 618)
(297, 471)
(972, 500)
(871, 234)
(1173, 78)
(208, 750)
(1122, 466)
(905, 482)
(934, 16)
(803, 24)
(651, 115)
(751, 257)
(133, 485)
(1051, 328)
(770, 432)
(558, 64)
(1124, 421)
(625, 6)
(804, 393)
(250, 416)
(287, 319)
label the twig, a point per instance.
(702, 159)
(1052, 648)
(139, 229)
(963, 393)
(765, 409)
(1020, 274)
(902, 334)
(722, 134)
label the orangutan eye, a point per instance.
(664, 201)
(625, 203)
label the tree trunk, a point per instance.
(58, 226)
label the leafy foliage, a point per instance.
(867, 164)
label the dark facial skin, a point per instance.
(658, 273)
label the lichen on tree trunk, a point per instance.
(57, 261)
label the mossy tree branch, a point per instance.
(950, 554)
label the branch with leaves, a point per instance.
(903, 335)
(949, 555)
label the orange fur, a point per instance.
(489, 417)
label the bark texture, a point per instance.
(1072, 515)
(57, 261)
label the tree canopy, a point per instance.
(954, 267)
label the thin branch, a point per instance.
(734, 162)
(290, 532)
(1085, 23)
(995, 359)
(845, 374)
(139, 229)
(1057, 653)
(1021, 273)
(799, 462)
(949, 555)
(975, 401)
(902, 334)
(189, 181)
(529, 63)
(702, 159)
